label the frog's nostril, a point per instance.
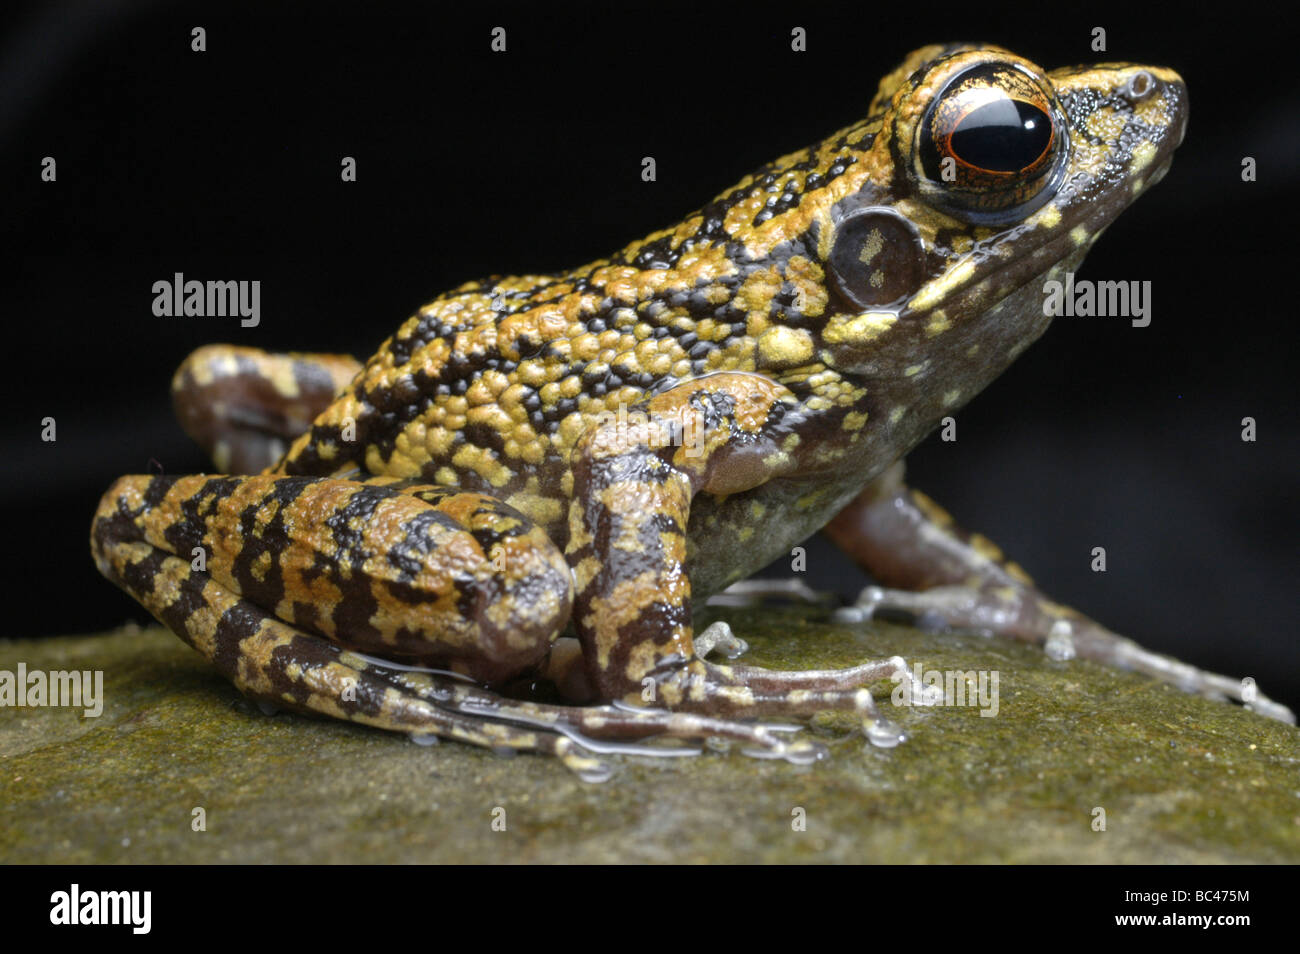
(1140, 85)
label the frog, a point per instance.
(538, 480)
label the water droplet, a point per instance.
(599, 772)
(426, 739)
(806, 753)
(883, 734)
(1060, 642)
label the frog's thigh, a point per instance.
(449, 579)
(943, 575)
(142, 520)
(244, 406)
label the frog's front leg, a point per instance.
(944, 576)
(244, 406)
(634, 479)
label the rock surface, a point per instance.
(1180, 779)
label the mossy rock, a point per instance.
(1180, 779)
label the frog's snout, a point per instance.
(1178, 93)
(1138, 112)
(1170, 89)
(1155, 118)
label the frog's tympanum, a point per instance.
(601, 449)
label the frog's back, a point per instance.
(879, 296)
(490, 385)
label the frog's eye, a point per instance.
(991, 145)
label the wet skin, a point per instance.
(600, 450)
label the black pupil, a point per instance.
(1003, 136)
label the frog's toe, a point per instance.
(748, 691)
(798, 752)
(1095, 642)
(938, 608)
(719, 637)
(1021, 612)
(623, 729)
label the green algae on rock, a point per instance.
(180, 768)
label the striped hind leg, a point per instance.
(273, 662)
(186, 548)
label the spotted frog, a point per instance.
(598, 451)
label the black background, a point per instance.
(1081, 901)
(225, 165)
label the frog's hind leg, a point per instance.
(270, 661)
(244, 406)
(141, 519)
(950, 578)
(186, 547)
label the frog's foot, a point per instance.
(617, 728)
(749, 691)
(947, 577)
(1023, 613)
(941, 608)
(743, 692)
(500, 723)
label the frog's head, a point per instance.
(980, 177)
